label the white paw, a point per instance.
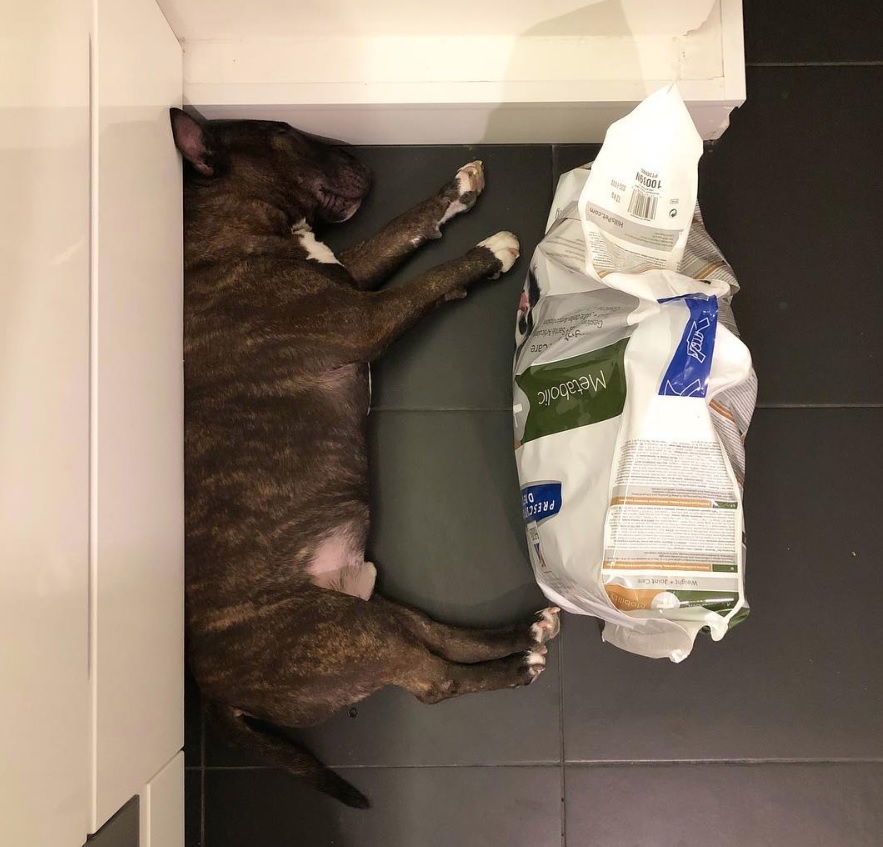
(504, 245)
(536, 661)
(548, 625)
(470, 183)
(470, 178)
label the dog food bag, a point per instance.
(633, 394)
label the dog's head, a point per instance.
(274, 163)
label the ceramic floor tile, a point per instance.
(122, 830)
(812, 31)
(566, 157)
(768, 805)
(448, 539)
(447, 529)
(192, 723)
(193, 808)
(802, 677)
(461, 355)
(790, 195)
(429, 807)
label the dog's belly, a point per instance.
(271, 475)
(338, 562)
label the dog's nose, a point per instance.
(357, 175)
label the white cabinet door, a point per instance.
(162, 807)
(138, 481)
(44, 422)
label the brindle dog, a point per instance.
(283, 625)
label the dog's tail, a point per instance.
(276, 749)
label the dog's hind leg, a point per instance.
(433, 679)
(372, 261)
(383, 649)
(402, 647)
(346, 648)
(467, 645)
(338, 565)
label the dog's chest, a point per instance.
(316, 250)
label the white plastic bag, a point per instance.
(632, 396)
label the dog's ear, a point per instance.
(193, 140)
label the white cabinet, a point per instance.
(499, 71)
(162, 807)
(44, 422)
(91, 421)
(137, 404)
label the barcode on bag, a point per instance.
(643, 205)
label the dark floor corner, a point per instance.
(772, 736)
(122, 830)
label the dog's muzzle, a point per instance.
(335, 208)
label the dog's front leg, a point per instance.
(339, 326)
(392, 312)
(372, 261)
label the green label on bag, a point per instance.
(574, 392)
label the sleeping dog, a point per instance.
(284, 627)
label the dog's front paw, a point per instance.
(463, 191)
(524, 667)
(535, 662)
(547, 626)
(505, 247)
(470, 183)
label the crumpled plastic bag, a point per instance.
(632, 395)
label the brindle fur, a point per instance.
(276, 352)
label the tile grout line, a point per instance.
(820, 405)
(601, 763)
(507, 409)
(747, 762)
(825, 407)
(561, 729)
(337, 767)
(201, 775)
(871, 63)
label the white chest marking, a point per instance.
(316, 250)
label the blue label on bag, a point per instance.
(690, 367)
(540, 500)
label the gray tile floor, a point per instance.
(775, 735)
